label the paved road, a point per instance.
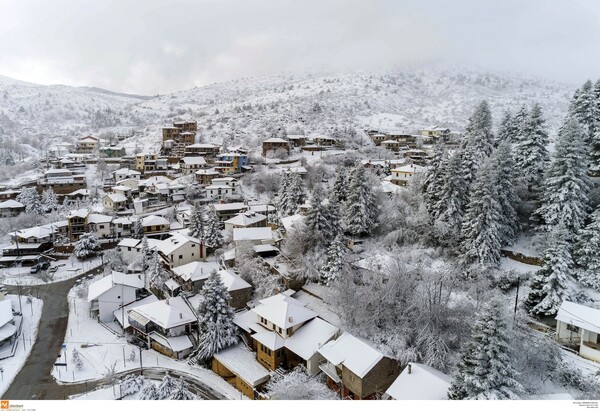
(35, 381)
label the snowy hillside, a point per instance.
(246, 110)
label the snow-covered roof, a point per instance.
(196, 270)
(81, 191)
(246, 320)
(129, 242)
(261, 208)
(34, 232)
(289, 221)
(176, 344)
(171, 284)
(581, 316)
(99, 218)
(124, 220)
(355, 354)
(232, 281)
(275, 140)
(126, 171)
(246, 219)
(97, 288)
(410, 168)
(176, 241)
(6, 313)
(167, 313)
(269, 339)
(208, 172)
(243, 363)
(117, 198)
(265, 248)
(121, 188)
(193, 160)
(283, 311)
(224, 180)
(423, 383)
(230, 206)
(11, 204)
(120, 317)
(252, 233)
(389, 187)
(201, 145)
(81, 213)
(307, 340)
(153, 220)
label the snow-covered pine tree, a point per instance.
(504, 171)
(49, 200)
(138, 229)
(360, 208)
(76, 359)
(481, 228)
(453, 197)
(156, 273)
(339, 192)
(283, 199)
(296, 192)
(146, 254)
(334, 218)
(550, 285)
(316, 220)
(334, 263)
(478, 141)
(197, 222)
(485, 371)
(583, 108)
(587, 252)
(217, 330)
(182, 392)
(594, 156)
(506, 129)
(213, 237)
(167, 387)
(434, 179)
(531, 154)
(87, 246)
(131, 384)
(31, 200)
(298, 385)
(519, 120)
(149, 392)
(564, 199)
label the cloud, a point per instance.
(154, 46)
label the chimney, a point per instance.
(290, 319)
(180, 316)
(409, 368)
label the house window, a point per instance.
(180, 257)
(571, 327)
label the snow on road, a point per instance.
(32, 312)
(101, 348)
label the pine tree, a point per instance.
(519, 121)
(334, 219)
(453, 197)
(138, 229)
(197, 222)
(531, 154)
(339, 192)
(478, 142)
(296, 192)
(504, 169)
(213, 237)
(87, 246)
(549, 287)
(217, 330)
(76, 359)
(316, 220)
(334, 263)
(156, 272)
(146, 254)
(181, 392)
(283, 200)
(49, 200)
(360, 207)
(565, 192)
(481, 228)
(31, 200)
(131, 384)
(149, 392)
(167, 387)
(506, 130)
(583, 108)
(594, 157)
(434, 179)
(588, 253)
(485, 371)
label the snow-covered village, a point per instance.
(407, 232)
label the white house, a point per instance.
(245, 220)
(402, 176)
(114, 202)
(579, 324)
(112, 292)
(223, 187)
(180, 249)
(11, 208)
(419, 382)
(125, 173)
(189, 165)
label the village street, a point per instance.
(35, 381)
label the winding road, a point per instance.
(34, 380)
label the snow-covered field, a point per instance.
(101, 348)
(32, 313)
(66, 269)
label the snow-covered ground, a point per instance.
(101, 348)
(66, 269)
(32, 312)
(509, 264)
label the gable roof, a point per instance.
(116, 198)
(167, 313)
(152, 220)
(193, 160)
(355, 354)
(584, 317)
(97, 288)
(11, 204)
(232, 281)
(307, 340)
(196, 270)
(176, 241)
(6, 313)
(252, 233)
(423, 383)
(246, 219)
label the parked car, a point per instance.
(45, 265)
(34, 269)
(53, 269)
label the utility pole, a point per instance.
(141, 367)
(516, 300)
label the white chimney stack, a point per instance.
(409, 368)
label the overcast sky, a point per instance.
(158, 46)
